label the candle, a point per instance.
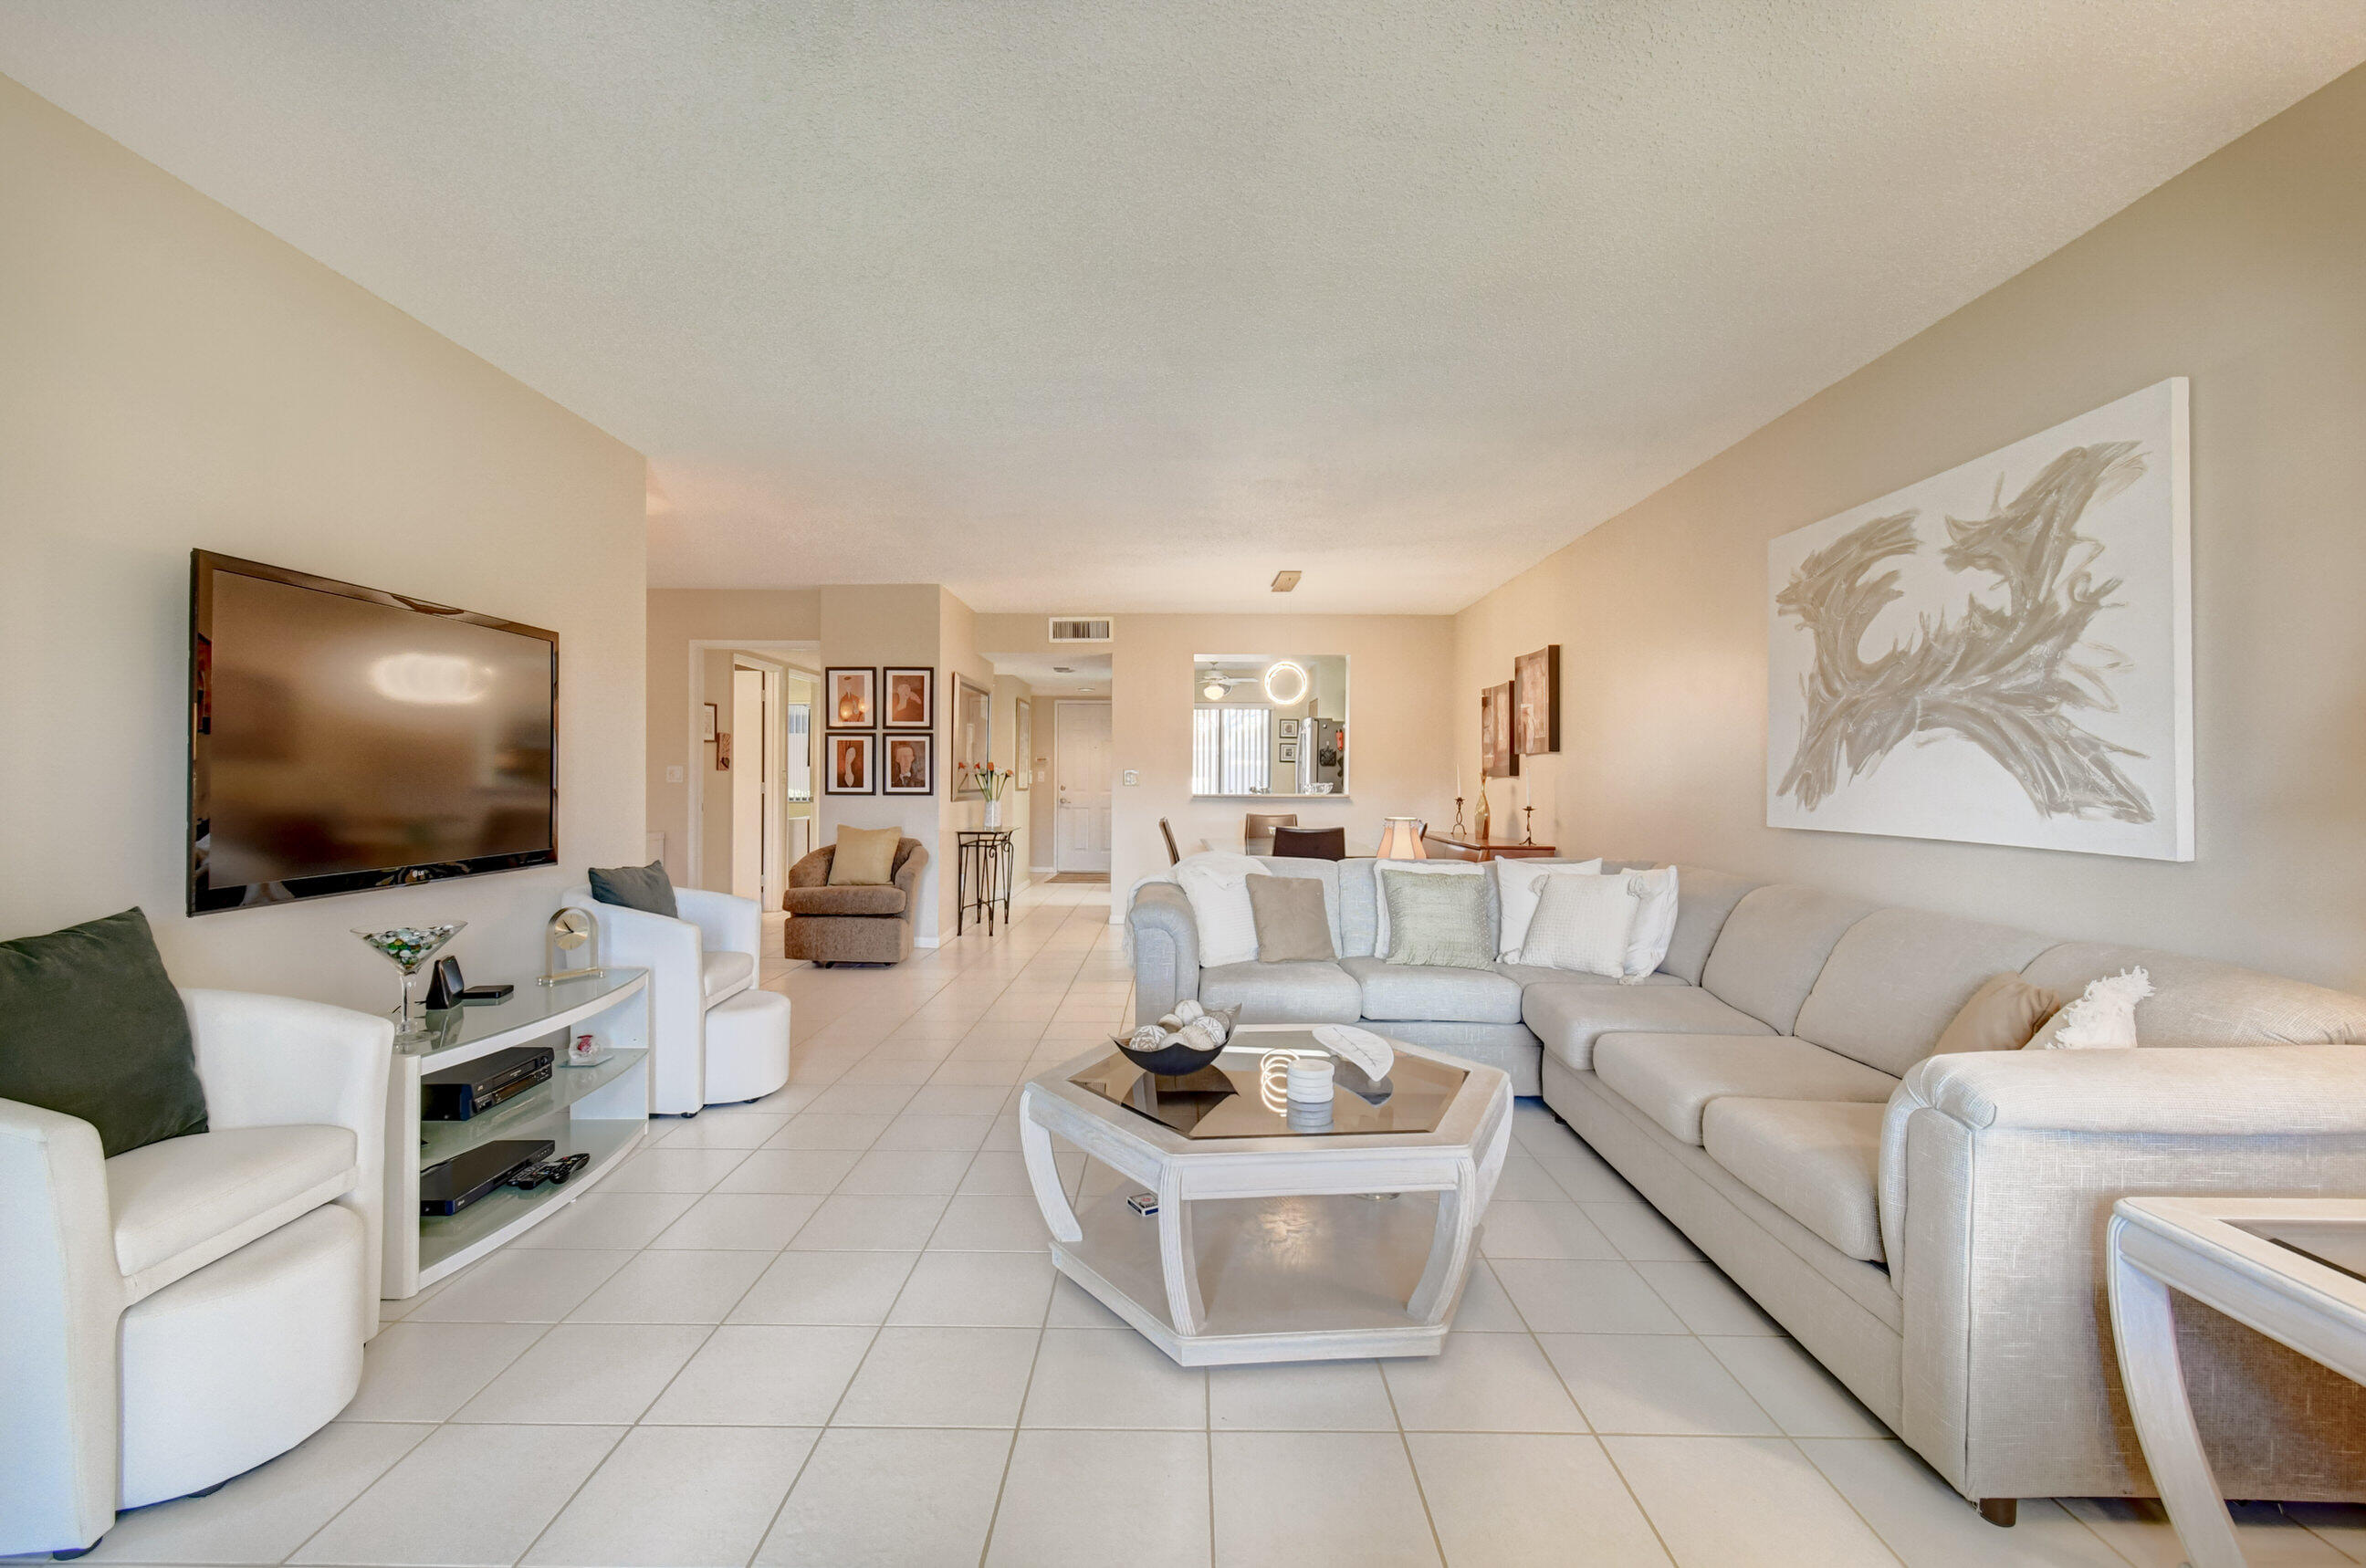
(1457, 781)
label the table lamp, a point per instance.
(1401, 838)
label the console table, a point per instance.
(1443, 846)
(985, 863)
(2293, 1269)
(602, 1110)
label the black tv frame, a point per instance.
(207, 899)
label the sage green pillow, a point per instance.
(643, 887)
(91, 1026)
(1437, 919)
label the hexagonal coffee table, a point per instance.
(1270, 1244)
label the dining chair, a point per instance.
(1257, 835)
(1310, 843)
(1174, 857)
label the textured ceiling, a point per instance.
(1095, 305)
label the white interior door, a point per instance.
(1080, 764)
(748, 758)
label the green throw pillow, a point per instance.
(1437, 919)
(91, 1026)
(645, 888)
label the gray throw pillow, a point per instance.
(1292, 926)
(643, 887)
(1437, 919)
(91, 1026)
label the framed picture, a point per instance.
(706, 726)
(911, 699)
(973, 735)
(723, 752)
(911, 764)
(1536, 702)
(1024, 764)
(1497, 758)
(851, 760)
(1289, 729)
(853, 698)
(1289, 750)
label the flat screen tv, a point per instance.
(344, 739)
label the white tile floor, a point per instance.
(822, 1329)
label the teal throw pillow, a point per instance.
(1437, 919)
(636, 888)
(91, 1026)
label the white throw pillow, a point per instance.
(1584, 923)
(2103, 1018)
(1426, 867)
(1655, 923)
(1217, 883)
(1518, 883)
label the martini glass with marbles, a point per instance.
(407, 948)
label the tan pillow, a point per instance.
(1290, 924)
(2001, 1016)
(865, 856)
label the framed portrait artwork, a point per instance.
(1497, 758)
(853, 700)
(1536, 702)
(852, 759)
(706, 726)
(911, 699)
(1289, 750)
(911, 764)
(1289, 729)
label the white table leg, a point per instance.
(1179, 1260)
(1043, 1175)
(2155, 1380)
(1449, 1248)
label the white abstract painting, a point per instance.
(2003, 654)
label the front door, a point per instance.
(1080, 766)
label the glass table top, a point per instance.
(1229, 1099)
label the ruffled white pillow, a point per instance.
(1655, 923)
(1518, 883)
(1217, 884)
(2103, 1018)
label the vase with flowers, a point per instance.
(990, 784)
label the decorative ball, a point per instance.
(1189, 1011)
(1204, 1033)
(1149, 1037)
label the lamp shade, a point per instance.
(1401, 838)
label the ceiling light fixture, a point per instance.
(1292, 674)
(1214, 690)
(1283, 581)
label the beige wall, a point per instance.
(1400, 677)
(2246, 274)
(174, 377)
(676, 617)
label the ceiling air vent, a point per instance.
(1066, 630)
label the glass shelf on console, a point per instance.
(525, 1013)
(439, 1141)
(444, 1236)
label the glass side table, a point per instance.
(2293, 1268)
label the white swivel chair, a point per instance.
(715, 1038)
(178, 1314)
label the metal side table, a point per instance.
(984, 861)
(2293, 1269)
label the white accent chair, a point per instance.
(714, 1037)
(178, 1315)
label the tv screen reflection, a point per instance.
(347, 736)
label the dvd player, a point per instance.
(451, 1185)
(458, 1093)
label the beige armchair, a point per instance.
(866, 924)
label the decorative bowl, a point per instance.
(1177, 1056)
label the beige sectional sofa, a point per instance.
(1930, 1227)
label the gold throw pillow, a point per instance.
(865, 857)
(2001, 1016)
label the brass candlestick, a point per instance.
(1458, 816)
(1527, 824)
